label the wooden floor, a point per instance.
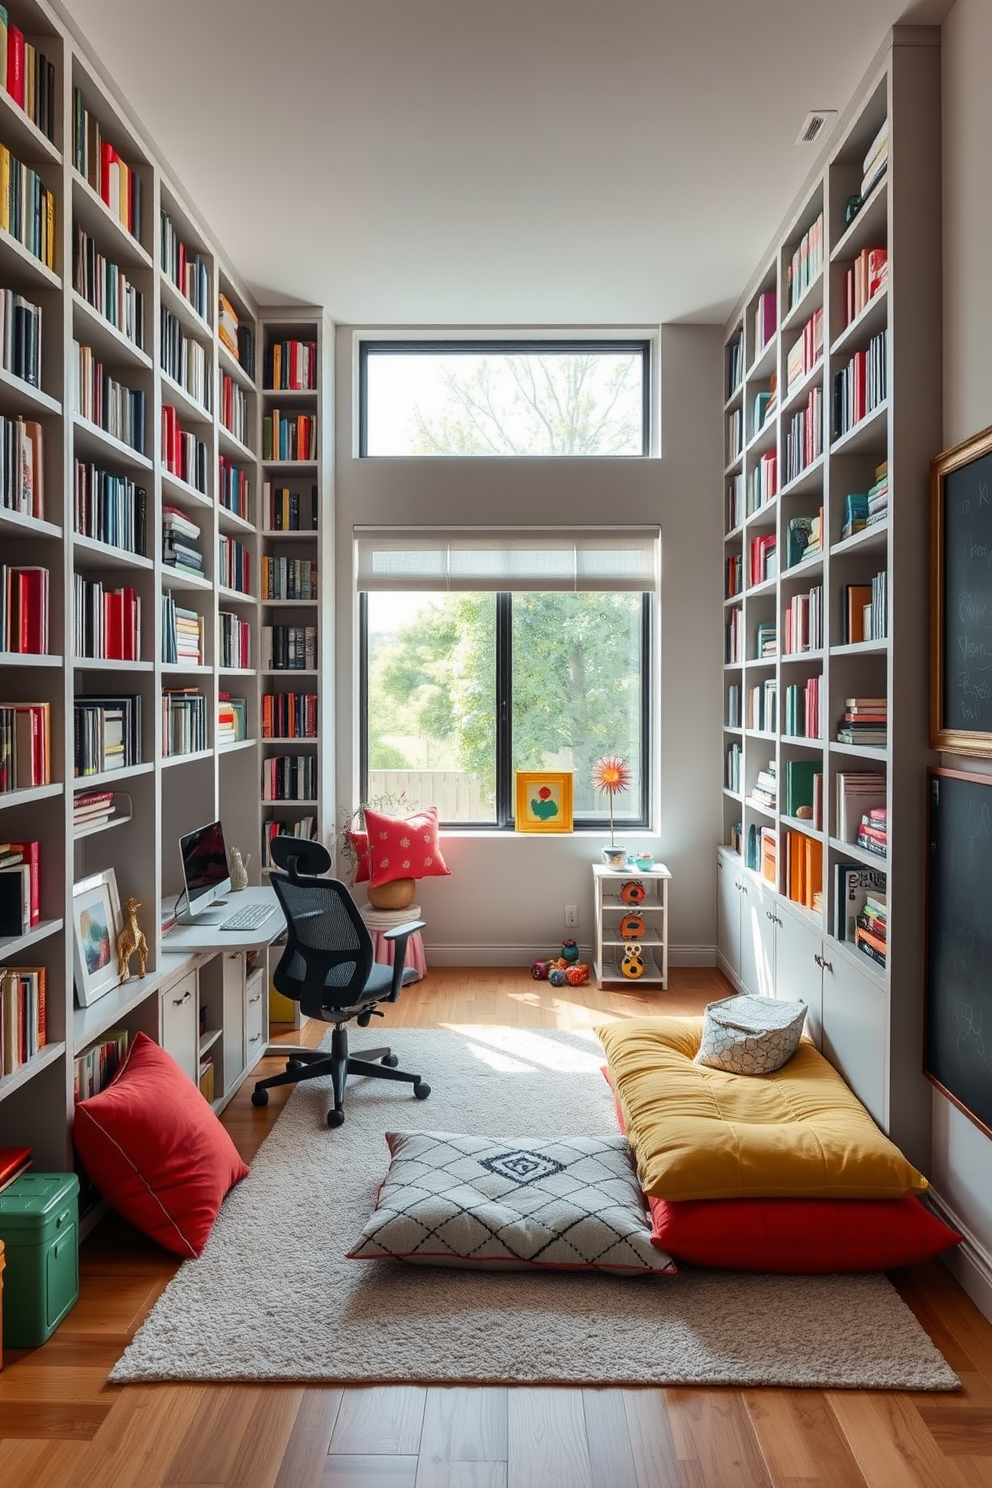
(63, 1426)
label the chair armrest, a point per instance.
(405, 930)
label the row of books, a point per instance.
(182, 633)
(806, 263)
(107, 288)
(92, 809)
(864, 610)
(289, 715)
(873, 831)
(735, 502)
(233, 488)
(234, 570)
(867, 276)
(765, 640)
(804, 870)
(181, 542)
(859, 792)
(865, 509)
(290, 366)
(232, 719)
(239, 339)
(806, 351)
(732, 779)
(111, 405)
(186, 270)
(20, 887)
(27, 75)
(233, 640)
(289, 436)
(184, 721)
(803, 622)
(22, 1015)
(110, 508)
(27, 208)
(861, 386)
(234, 410)
(853, 882)
(22, 466)
(106, 623)
(765, 320)
(95, 158)
(735, 364)
(764, 791)
(864, 721)
(735, 434)
(289, 578)
(20, 337)
(184, 359)
(24, 609)
(289, 777)
(735, 575)
(106, 733)
(875, 162)
(761, 712)
(762, 410)
(734, 633)
(763, 558)
(804, 437)
(25, 745)
(768, 847)
(95, 1067)
(304, 826)
(804, 538)
(803, 709)
(289, 648)
(183, 455)
(732, 716)
(763, 485)
(804, 791)
(288, 511)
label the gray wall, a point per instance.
(962, 1155)
(504, 903)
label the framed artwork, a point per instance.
(96, 924)
(961, 597)
(543, 801)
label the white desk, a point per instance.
(212, 938)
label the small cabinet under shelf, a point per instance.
(631, 925)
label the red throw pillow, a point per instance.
(404, 847)
(808, 1236)
(360, 846)
(156, 1150)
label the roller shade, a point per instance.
(511, 558)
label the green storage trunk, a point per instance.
(39, 1226)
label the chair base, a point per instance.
(314, 1064)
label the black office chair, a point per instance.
(328, 967)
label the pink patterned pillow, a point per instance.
(405, 847)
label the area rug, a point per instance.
(273, 1297)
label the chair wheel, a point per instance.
(421, 1090)
(260, 1097)
(391, 1059)
(335, 1118)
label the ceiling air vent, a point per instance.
(816, 123)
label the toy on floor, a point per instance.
(561, 971)
(632, 965)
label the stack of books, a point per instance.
(765, 639)
(805, 538)
(871, 925)
(876, 162)
(25, 745)
(853, 882)
(804, 622)
(764, 792)
(805, 352)
(868, 274)
(182, 633)
(94, 1068)
(24, 610)
(865, 721)
(873, 831)
(22, 1015)
(855, 514)
(859, 792)
(878, 495)
(232, 719)
(92, 809)
(184, 721)
(107, 733)
(180, 538)
(20, 887)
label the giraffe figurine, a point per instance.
(131, 939)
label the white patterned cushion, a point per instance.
(565, 1203)
(750, 1035)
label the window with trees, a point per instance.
(488, 653)
(570, 399)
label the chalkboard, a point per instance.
(961, 693)
(959, 942)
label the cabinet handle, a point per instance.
(770, 916)
(178, 1001)
(254, 1038)
(256, 998)
(823, 964)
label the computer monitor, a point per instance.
(206, 875)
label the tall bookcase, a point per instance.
(171, 444)
(793, 452)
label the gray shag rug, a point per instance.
(273, 1297)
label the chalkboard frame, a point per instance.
(954, 740)
(932, 992)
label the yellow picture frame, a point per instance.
(543, 801)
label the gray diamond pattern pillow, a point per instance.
(512, 1204)
(750, 1035)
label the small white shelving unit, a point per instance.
(611, 946)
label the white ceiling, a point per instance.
(489, 162)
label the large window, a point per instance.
(463, 685)
(527, 398)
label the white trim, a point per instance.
(969, 1262)
(524, 955)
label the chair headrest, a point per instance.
(298, 855)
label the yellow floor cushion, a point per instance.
(701, 1133)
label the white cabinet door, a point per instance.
(728, 916)
(255, 1017)
(855, 1031)
(798, 973)
(234, 1019)
(178, 1024)
(757, 938)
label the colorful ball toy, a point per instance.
(569, 951)
(577, 976)
(557, 977)
(632, 927)
(632, 965)
(539, 971)
(632, 892)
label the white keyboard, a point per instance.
(248, 918)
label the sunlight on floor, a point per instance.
(523, 1050)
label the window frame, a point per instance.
(505, 821)
(481, 346)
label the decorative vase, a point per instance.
(395, 895)
(239, 871)
(614, 857)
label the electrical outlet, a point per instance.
(571, 916)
